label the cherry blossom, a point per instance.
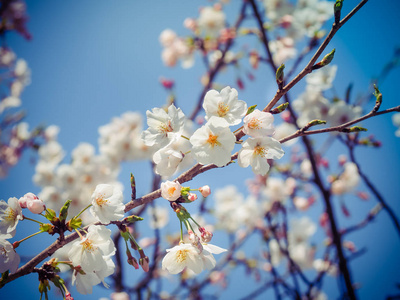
(10, 214)
(107, 203)
(225, 105)
(164, 127)
(213, 143)
(171, 190)
(257, 151)
(9, 259)
(258, 124)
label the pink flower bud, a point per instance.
(363, 196)
(206, 235)
(23, 201)
(36, 206)
(144, 262)
(205, 191)
(323, 219)
(167, 83)
(192, 197)
(68, 296)
(133, 262)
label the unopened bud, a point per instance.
(240, 83)
(23, 201)
(133, 219)
(378, 96)
(192, 197)
(68, 296)
(316, 122)
(355, 129)
(279, 75)
(144, 263)
(337, 9)
(325, 61)
(251, 109)
(206, 235)
(205, 191)
(280, 108)
(36, 206)
(132, 261)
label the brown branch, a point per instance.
(308, 67)
(339, 128)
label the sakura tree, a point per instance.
(252, 182)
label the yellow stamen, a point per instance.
(258, 150)
(213, 140)
(165, 128)
(100, 200)
(181, 255)
(87, 245)
(223, 109)
(10, 214)
(254, 124)
(171, 191)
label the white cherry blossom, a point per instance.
(164, 127)
(225, 105)
(10, 214)
(107, 203)
(183, 256)
(9, 259)
(257, 151)
(171, 190)
(213, 143)
(89, 252)
(258, 124)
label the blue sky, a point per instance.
(94, 60)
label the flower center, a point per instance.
(88, 245)
(258, 150)
(10, 214)
(254, 124)
(222, 109)
(166, 127)
(213, 140)
(100, 200)
(171, 190)
(181, 255)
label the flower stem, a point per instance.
(26, 218)
(24, 239)
(198, 225)
(83, 210)
(181, 241)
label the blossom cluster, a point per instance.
(213, 142)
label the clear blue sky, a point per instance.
(93, 60)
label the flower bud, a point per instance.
(279, 75)
(133, 262)
(36, 206)
(192, 197)
(205, 191)
(23, 201)
(68, 296)
(144, 263)
(206, 235)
